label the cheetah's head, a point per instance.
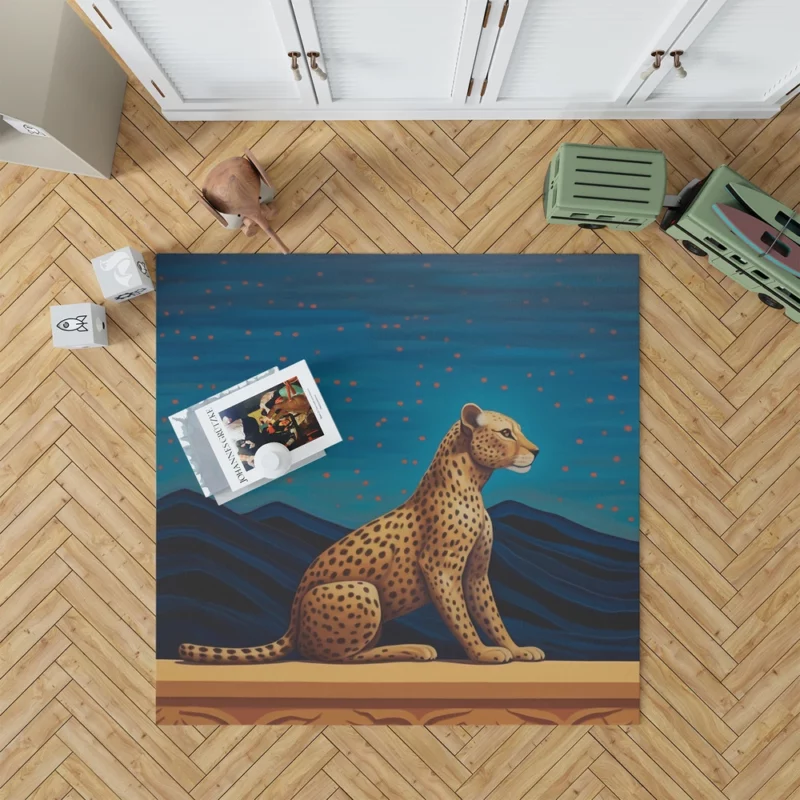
(496, 441)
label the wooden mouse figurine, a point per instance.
(234, 194)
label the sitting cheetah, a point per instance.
(434, 547)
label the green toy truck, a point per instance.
(605, 187)
(598, 187)
(702, 232)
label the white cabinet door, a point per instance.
(390, 55)
(735, 51)
(578, 54)
(208, 54)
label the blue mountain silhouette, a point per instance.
(228, 579)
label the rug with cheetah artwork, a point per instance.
(469, 552)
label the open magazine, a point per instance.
(222, 435)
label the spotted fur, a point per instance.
(435, 547)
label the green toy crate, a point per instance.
(598, 187)
(702, 232)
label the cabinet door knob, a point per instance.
(315, 68)
(657, 56)
(676, 60)
(294, 55)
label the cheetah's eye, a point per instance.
(507, 433)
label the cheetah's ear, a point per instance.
(470, 417)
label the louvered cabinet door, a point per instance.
(734, 51)
(382, 56)
(227, 56)
(585, 54)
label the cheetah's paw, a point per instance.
(420, 652)
(528, 654)
(492, 655)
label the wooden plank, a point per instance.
(761, 403)
(35, 736)
(154, 199)
(96, 216)
(24, 530)
(491, 154)
(28, 632)
(31, 594)
(763, 474)
(684, 375)
(689, 596)
(680, 552)
(30, 267)
(28, 559)
(419, 161)
(476, 133)
(702, 704)
(768, 141)
(30, 231)
(98, 649)
(104, 769)
(677, 512)
(453, 127)
(391, 186)
(238, 760)
(342, 228)
(572, 750)
(41, 656)
(680, 734)
(681, 409)
(778, 603)
(12, 176)
(26, 198)
(160, 132)
(535, 149)
(125, 207)
(91, 584)
(116, 740)
(112, 555)
(692, 489)
(35, 298)
(687, 311)
(209, 135)
(38, 698)
(664, 608)
(137, 436)
(365, 219)
(703, 141)
(105, 512)
(296, 143)
(157, 165)
(38, 768)
(760, 550)
(437, 143)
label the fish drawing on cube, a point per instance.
(122, 275)
(79, 325)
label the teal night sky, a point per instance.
(398, 344)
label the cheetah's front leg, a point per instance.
(443, 573)
(480, 598)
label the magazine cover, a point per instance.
(285, 407)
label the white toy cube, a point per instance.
(122, 275)
(79, 325)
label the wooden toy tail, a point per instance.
(267, 228)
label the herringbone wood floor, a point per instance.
(720, 471)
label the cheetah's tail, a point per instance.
(261, 654)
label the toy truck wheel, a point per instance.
(769, 301)
(592, 226)
(693, 248)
